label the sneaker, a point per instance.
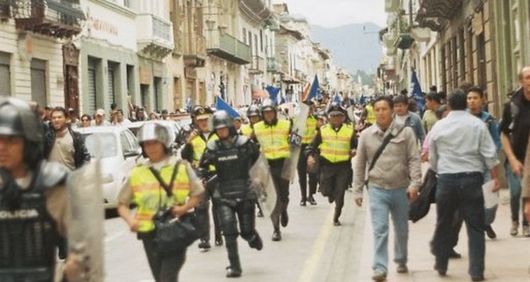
(490, 232)
(204, 245)
(379, 275)
(312, 200)
(477, 278)
(526, 231)
(454, 255)
(402, 268)
(515, 228)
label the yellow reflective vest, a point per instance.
(273, 139)
(149, 195)
(370, 114)
(199, 146)
(335, 146)
(246, 130)
(310, 131)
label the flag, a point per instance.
(221, 105)
(313, 93)
(362, 100)
(416, 92)
(337, 99)
(273, 93)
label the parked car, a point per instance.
(119, 151)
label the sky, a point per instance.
(333, 13)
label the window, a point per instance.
(5, 74)
(261, 40)
(245, 36)
(255, 44)
(38, 82)
(107, 144)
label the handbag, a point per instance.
(420, 208)
(172, 234)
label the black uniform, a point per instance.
(232, 194)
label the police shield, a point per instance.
(295, 142)
(263, 185)
(85, 231)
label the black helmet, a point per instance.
(268, 105)
(253, 111)
(221, 119)
(336, 108)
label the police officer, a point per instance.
(273, 136)
(335, 144)
(303, 173)
(253, 115)
(144, 189)
(33, 200)
(233, 155)
(192, 152)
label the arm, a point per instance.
(195, 196)
(360, 168)
(187, 152)
(124, 199)
(432, 152)
(414, 165)
(418, 129)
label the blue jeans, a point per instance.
(383, 203)
(460, 192)
(514, 183)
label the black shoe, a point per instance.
(312, 200)
(454, 255)
(256, 242)
(232, 272)
(260, 213)
(402, 268)
(490, 232)
(331, 199)
(276, 236)
(441, 271)
(302, 203)
(205, 245)
(284, 218)
(219, 241)
(337, 222)
(477, 278)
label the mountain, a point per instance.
(354, 46)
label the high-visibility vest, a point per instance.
(335, 146)
(273, 139)
(149, 195)
(246, 130)
(310, 131)
(370, 114)
(199, 146)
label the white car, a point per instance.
(119, 152)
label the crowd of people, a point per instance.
(387, 139)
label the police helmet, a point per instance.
(336, 109)
(200, 112)
(268, 105)
(156, 131)
(253, 111)
(221, 119)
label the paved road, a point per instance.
(312, 249)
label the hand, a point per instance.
(353, 152)
(72, 267)
(425, 157)
(359, 201)
(311, 162)
(413, 194)
(526, 204)
(134, 225)
(179, 211)
(517, 167)
(497, 185)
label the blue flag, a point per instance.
(221, 105)
(313, 93)
(416, 92)
(337, 99)
(273, 93)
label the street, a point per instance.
(312, 249)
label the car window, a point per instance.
(132, 140)
(125, 144)
(109, 144)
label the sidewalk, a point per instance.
(507, 258)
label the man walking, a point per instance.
(515, 128)
(432, 102)
(393, 177)
(461, 149)
(408, 118)
(303, 173)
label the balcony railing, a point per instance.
(229, 48)
(272, 65)
(195, 50)
(61, 19)
(258, 65)
(154, 35)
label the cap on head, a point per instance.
(100, 112)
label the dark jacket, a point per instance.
(81, 155)
(515, 123)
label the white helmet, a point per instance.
(154, 130)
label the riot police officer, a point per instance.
(233, 155)
(33, 200)
(273, 136)
(303, 173)
(253, 115)
(192, 152)
(335, 145)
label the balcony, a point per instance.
(255, 9)
(195, 51)
(404, 41)
(258, 65)
(273, 65)
(227, 47)
(435, 14)
(154, 36)
(60, 19)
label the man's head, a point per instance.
(253, 114)
(100, 117)
(524, 80)
(336, 115)
(200, 116)
(165, 114)
(85, 120)
(475, 99)
(59, 118)
(72, 114)
(237, 122)
(432, 101)
(401, 105)
(383, 109)
(458, 100)
(156, 140)
(223, 125)
(268, 112)
(119, 115)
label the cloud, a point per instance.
(332, 13)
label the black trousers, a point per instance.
(203, 216)
(281, 186)
(303, 175)
(228, 215)
(334, 181)
(164, 269)
(460, 192)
